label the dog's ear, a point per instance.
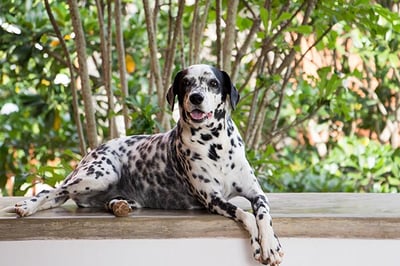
(173, 90)
(231, 90)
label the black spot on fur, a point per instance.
(205, 137)
(229, 208)
(258, 202)
(63, 193)
(230, 128)
(76, 181)
(205, 180)
(237, 188)
(98, 174)
(162, 146)
(194, 130)
(212, 152)
(122, 149)
(139, 165)
(195, 156)
(219, 114)
(200, 142)
(215, 131)
(233, 144)
(90, 170)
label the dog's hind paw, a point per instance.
(120, 208)
(23, 209)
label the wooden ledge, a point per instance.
(328, 215)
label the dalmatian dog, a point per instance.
(200, 163)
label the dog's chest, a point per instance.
(214, 160)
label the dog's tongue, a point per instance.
(198, 115)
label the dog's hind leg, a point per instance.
(44, 200)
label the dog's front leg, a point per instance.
(271, 251)
(223, 207)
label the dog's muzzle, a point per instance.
(197, 115)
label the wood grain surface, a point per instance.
(325, 215)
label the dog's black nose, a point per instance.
(196, 98)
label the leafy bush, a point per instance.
(352, 165)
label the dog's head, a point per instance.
(204, 92)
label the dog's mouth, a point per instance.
(199, 116)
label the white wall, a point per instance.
(193, 252)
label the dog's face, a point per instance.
(204, 92)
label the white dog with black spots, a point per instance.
(200, 163)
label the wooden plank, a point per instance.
(332, 215)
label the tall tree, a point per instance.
(80, 42)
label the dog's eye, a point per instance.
(186, 82)
(213, 83)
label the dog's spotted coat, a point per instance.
(200, 163)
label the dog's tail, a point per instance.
(7, 211)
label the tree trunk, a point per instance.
(154, 63)
(121, 63)
(80, 43)
(229, 35)
(105, 40)
(75, 105)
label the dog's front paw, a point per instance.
(271, 251)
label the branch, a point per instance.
(278, 110)
(296, 122)
(268, 40)
(121, 63)
(289, 58)
(172, 47)
(313, 45)
(193, 32)
(182, 48)
(242, 51)
(199, 32)
(218, 33)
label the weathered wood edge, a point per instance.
(294, 215)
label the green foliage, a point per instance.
(145, 107)
(352, 165)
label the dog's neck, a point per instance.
(219, 126)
